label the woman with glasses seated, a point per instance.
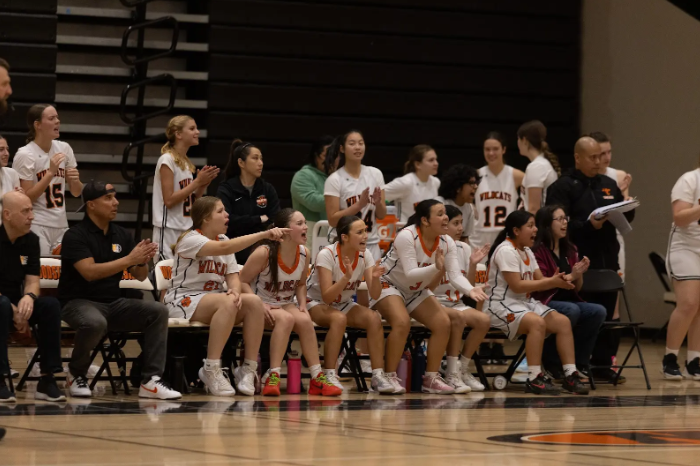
(555, 253)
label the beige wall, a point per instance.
(641, 84)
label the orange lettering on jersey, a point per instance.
(167, 272)
(500, 195)
(351, 200)
(127, 276)
(481, 277)
(210, 266)
(61, 174)
(415, 287)
(526, 275)
(445, 279)
(50, 272)
(184, 183)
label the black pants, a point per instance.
(47, 317)
(608, 340)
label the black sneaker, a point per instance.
(46, 389)
(671, 370)
(693, 368)
(498, 356)
(574, 384)
(584, 373)
(6, 396)
(608, 376)
(541, 385)
(485, 353)
(556, 373)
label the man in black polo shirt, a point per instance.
(94, 256)
(20, 306)
(580, 193)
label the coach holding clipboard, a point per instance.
(580, 192)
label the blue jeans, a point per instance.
(586, 319)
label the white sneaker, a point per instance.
(215, 381)
(366, 366)
(156, 388)
(472, 382)
(246, 379)
(382, 384)
(78, 386)
(332, 378)
(396, 381)
(454, 380)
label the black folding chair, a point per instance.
(608, 281)
(659, 264)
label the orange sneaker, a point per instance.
(272, 385)
(321, 386)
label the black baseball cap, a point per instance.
(94, 190)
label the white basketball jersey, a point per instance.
(446, 293)
(348, 190)
(329, 258)
(496, 197)
(538, 174)
(288, 277)
(507, 258)
(192, 274)
(611, 173)
(178, 217)
(411, 237)
(31, 164)
(407, 191)
(687, 189)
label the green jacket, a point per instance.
(307, 193)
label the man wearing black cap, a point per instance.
(94, 256)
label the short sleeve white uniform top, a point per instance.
(538, 174)
(508, 258)
(9, 180)
(178, 217)
(467, 210)
(195, 275)
(409, 190)
(687, 189)
(31, 164)
(288, 277)
(496, 197)
(410, 263)
(447, 294)
(329, 258)
(348, 190)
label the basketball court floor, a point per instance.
(613, 426)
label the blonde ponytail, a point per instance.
(175, 125)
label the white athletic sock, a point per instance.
(315, 370)
(210, 363)
(430, 374)
(692, 355)
(533, 372)
(569, 369)
(464, 361)
(390, 374)
(452, 364)
(671, 351)
(250, 363)
(377, 372)
(329, 371)
(275, 369)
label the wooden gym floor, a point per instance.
(615, 425)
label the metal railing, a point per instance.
(136, 116)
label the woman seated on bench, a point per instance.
(336, 276)
(277, 274)
(204, 260)
(555, 253)
(458, 374)
(513, 276)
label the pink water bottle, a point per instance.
(402, 371)
(293, 373)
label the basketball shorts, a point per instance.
(506, 315)
(411, 300)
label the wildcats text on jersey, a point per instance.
(61, 174)
(354, 199)
(210, 266)
(287, 285)
(495, 195)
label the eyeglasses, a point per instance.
(474, 183)
(561, 219)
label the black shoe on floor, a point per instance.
(541, 385)
(555, 373)
(498, 356)
(6, 396)
(693, 368)
(584, 373)
(485, 353)
(607, 375)
(46, 389)
(574, 384)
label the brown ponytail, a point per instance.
(552, 157)
(34, 114)
(201, 210)
(415, 156)
(535, 132)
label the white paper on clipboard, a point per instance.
(615, 214)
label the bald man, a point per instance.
(580, 192)
(21, 308)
